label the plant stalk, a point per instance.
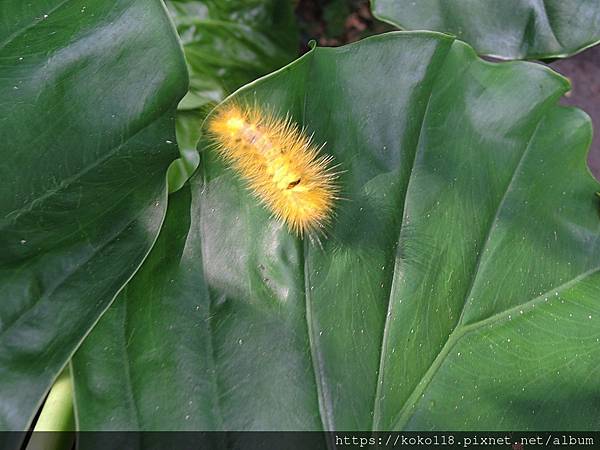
(54, 429)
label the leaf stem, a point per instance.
(54, 427)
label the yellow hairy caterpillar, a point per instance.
(280, 164)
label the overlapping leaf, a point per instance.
(509, 29)
(88, 94)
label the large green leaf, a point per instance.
(467, 203)
(230, 43)
(89, 90)
(510, 29)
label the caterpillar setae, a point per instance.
(280, 164)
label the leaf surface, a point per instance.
(466, 200)
(87, 124)
(508, 29)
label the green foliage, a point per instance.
(87, 124)
(456, 289)
(226, 45)
(508, 29)
(230, 43)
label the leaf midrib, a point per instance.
(385, 336)
(323, 398)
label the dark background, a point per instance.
(583, 70)
(338, 22)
